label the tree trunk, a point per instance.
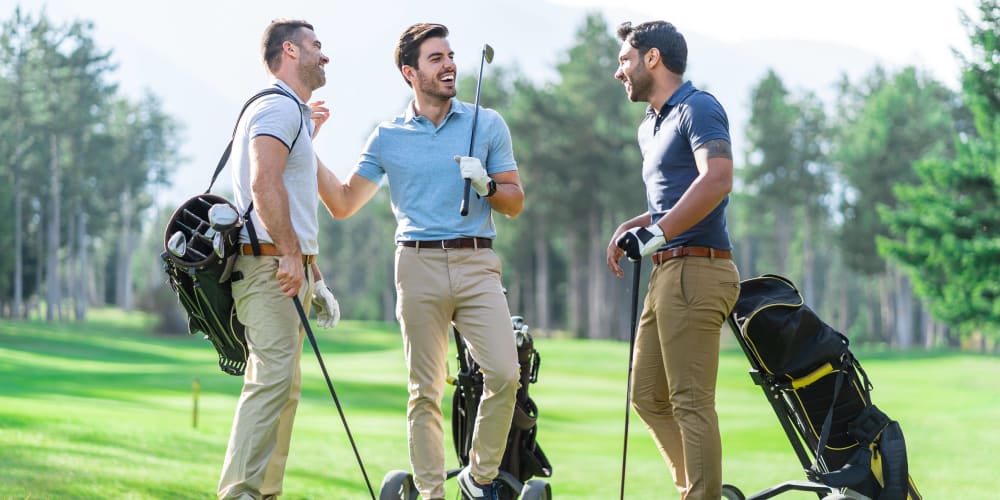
(52, 298)
(783, 234)
(81, 274)
(886, 308)
(930, 328)
(17, 310)
(599, 309)
(574, 300)
(544, 306)
(809, 261)
(126, 245)
(904, 310)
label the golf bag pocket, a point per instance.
(200, 243)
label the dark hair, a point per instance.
(662, 35)
(276, 34)
(408, 46)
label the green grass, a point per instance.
(104, 410)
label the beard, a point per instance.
(313, 75)
(640, 84)
(431, 87)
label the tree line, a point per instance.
(881, 205)
(78, 162)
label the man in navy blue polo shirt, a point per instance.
(446, 270)
(688, 171)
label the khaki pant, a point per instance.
(262, 428)
(676, 365)
(434, 288)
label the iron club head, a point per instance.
(487, 53)
(177, 244)
(219, 245)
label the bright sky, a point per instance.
(201, 56)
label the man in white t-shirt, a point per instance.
(275, 169)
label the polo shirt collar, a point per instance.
(284, 86)
(679, 95)
(457, 107)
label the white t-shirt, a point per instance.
(288, 121)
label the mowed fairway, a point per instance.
(104, 410)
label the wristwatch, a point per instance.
(491, 188)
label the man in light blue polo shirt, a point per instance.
(446, 270)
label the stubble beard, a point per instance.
(430, 87)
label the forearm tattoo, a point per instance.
(719, 148)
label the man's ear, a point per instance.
(289, 48)
(652, 57)
(409, 72)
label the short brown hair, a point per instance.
(276, 34)
(408, 46)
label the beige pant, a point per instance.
(676, 365)
(262, 428)
(435, 288)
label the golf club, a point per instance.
(329, 383)
(631, 354)
(222, 217)
(486, 59)
(219, 245)
(177, 244)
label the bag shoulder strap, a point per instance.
(229, 147)
(255, 244)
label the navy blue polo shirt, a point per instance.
(667, 140)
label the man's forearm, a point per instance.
(271, 201)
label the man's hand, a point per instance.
(326, 305)
(290, 274)
(320, 114)
(640, 242)
(473, 170)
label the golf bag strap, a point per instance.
(824, 434)
(254, 242)
(229, 147)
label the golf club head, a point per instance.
(219, 245)
(487, 53)
(177, 244)
(222, 217)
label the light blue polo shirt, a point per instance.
(425, 184)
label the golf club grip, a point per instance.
(465, 197)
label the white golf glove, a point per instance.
(640, 242)
(473, 170)
(327, 308)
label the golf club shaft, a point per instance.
(329, 383)
(631, 355)
(472, 141)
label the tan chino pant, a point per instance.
(436, 287)
(676, 365)
(254, 466)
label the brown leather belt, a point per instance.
(270, 250)
(672, 253)
(448, 244)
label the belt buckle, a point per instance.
(444, 244)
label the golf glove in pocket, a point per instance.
(326, 305)
(473, 170)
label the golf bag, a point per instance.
(821, 395)
(523, 458)
(200, 248)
